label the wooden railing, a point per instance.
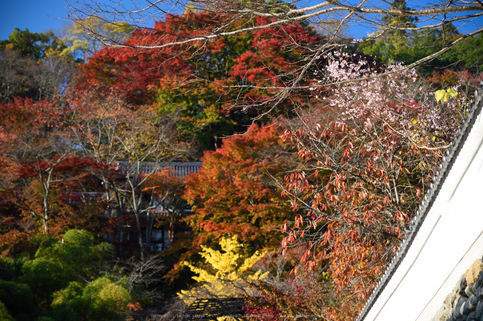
(177, 169)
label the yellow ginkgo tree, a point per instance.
(229, 270)
(87, 36)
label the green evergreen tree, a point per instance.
(391, 43)
(32, 45)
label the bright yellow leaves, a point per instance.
(444, 95)
(227, 278)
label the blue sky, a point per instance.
(35, 15)
(45, 15)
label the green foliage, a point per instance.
(101, 299)
(58, 276)
(467, 54)
(57, 263)
(17, 297)
(32, 44)
(106, 297)
(10, 268)
(67, 295)
(4, 315)
(391, 45)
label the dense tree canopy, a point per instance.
(386, 19)
(196, 80)
(317, 150)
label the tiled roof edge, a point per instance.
(417, 222)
